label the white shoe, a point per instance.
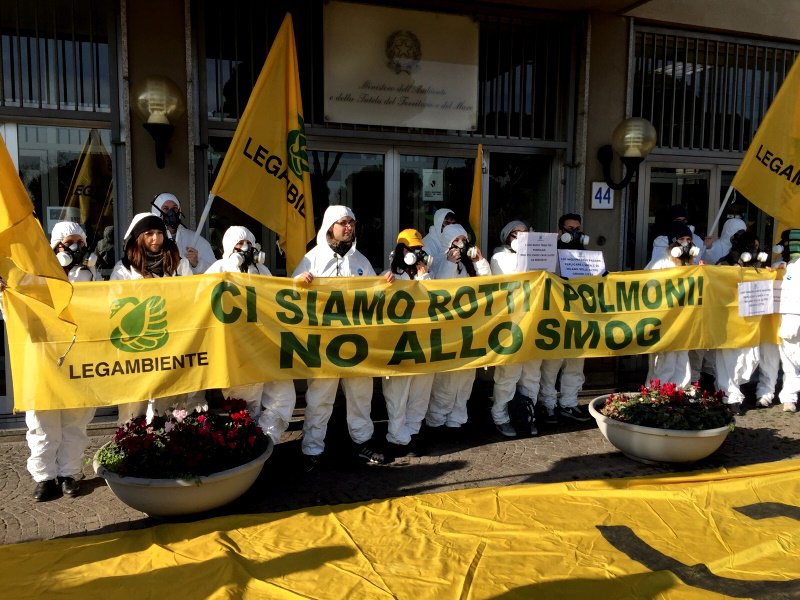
(790, 407)
(764, 402)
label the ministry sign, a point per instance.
(406, 68)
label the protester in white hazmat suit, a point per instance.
(452, 389)
(407, 396)
(789, 330)
(722, 246)
(199, 253)
(704, 361)
(270, 403)
(148, 252)
(517, 378)
(678, 214)
(736, 366)
(673, 367)
(570, 237)
(57, 438)
(335, 255)
(433, 243)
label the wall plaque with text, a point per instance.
(395, 67)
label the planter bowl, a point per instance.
(168, 497)
(654, 445)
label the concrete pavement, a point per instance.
(477, 456)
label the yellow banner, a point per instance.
(157, 337)
(769, 175)
(718, 534)
(265, 172)
(27, 263)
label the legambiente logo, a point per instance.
(297, 155)
(140, 326)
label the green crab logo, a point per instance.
(296, 149)
(143, 327)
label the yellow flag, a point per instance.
(27, 263)
(90, 188)
(477, 195)
(769, 175)
(265, 172)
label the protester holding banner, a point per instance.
(148, 252)
(57, 438)
(789, 330)
(335, 255)
(736, 366)
(517, 382)
(270, 403)
(673, 367)
(452, 389)
(407, 396)
(167, 206)
(570, 237)
(677, 214)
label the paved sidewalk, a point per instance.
(477, 457)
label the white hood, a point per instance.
(158, 203)
(233, 236)
(332, 214)
(730, 227)
(63, 229)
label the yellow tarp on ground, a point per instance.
(726, 533)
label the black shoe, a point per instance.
(550, 416)
(312, 462)
(70, 486)
(46, 490)
(397, 450)
(574, 412)
(371, 457)
(737, 409)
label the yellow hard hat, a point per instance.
(410, 237)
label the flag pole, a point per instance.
(719, 212)
(202, 220)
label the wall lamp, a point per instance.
(159, 102)
(632, 140)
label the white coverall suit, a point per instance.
(322, 261)
(524, 376)
(57, 438)
(789, 333)
(668, 367)
(270, 403)
(407, 397)
(452, 389)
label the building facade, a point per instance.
(397, 96)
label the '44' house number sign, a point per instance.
(602, 195)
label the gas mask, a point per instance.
(746, 258)
(75, 255)
(247, 255)
(574, 237)
(467, 251)
(686, 252)
(416, 255)
(172, 218)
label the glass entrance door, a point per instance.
(428, 183)
(665, 186)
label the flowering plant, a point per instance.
(185, 444)
(668, 406)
